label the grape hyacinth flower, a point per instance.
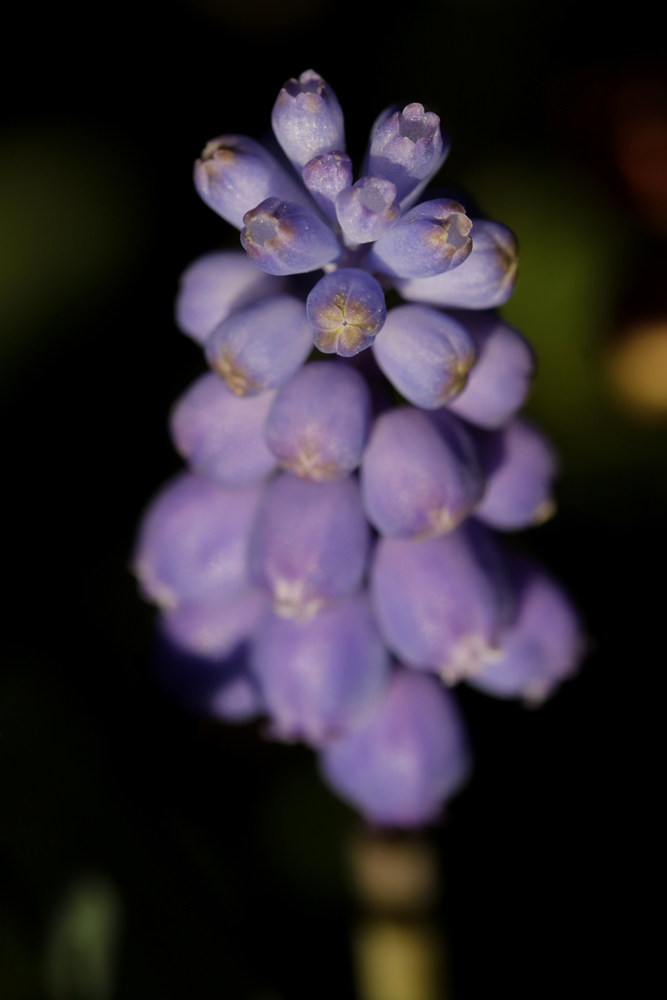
(236, 173)
(346, 310)
(318, 424)
(367, 209)
(408, 758)
(217, 285)
(486, 282)
(321, 678)
(419, 478)
(425, 354)
(430, 239)
(260, 347)
(542, 645)
(220, 434)
(330, 560)
(325, 177)
(407, 148)
(309, 546)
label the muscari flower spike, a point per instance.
(276, 598)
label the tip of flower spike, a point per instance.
(368, 209)
(283, 237)
(309, 82)
(346, 310)
(307, 119)
(222, 150)
(407, 147)
(261, 225)
(415, 124)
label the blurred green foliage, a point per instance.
(74, 223)
(575, 251)
(81, 951)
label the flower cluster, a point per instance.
(329, 559)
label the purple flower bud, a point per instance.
(407, 148)
(282, 237)
(307, 119)
(235, 173)
(407, 760)
(500, 381)
(219, 688)
(323, 677)
(419, 480)
(368, 209)
(318, 425)
(430, 239)
(215, 630)
(193, 542)
(310, 544)
(238, 700)
(485, 280)
(216, 285)
(261, 347)
(519, 483)
(325, 177)
(441, 603)
(425, 354)
(543, 645)
(347, 310)
(221, 435)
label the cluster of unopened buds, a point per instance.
(330, 558)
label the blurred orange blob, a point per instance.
(639, 118)
(637, 369)
(641, 155)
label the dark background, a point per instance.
(216, 856)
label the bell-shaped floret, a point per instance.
(346, 310)
(325, 177)
(411, 756)
(318, 425)
(499, 383)
(310, 544)
(425, 355)
(407, 148)
(215, 630)
(441, 603)
(543, 645)
(216, 285)
(193, 542)
(239, 700)
(219, 688)
(430, 239)
(261, 347)
(221, 435)
(521, 466)
(321, 678)
(235, 173)
(485, 280)
(282, 237)
(368, 209)
(307, 119)
(419, 478)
